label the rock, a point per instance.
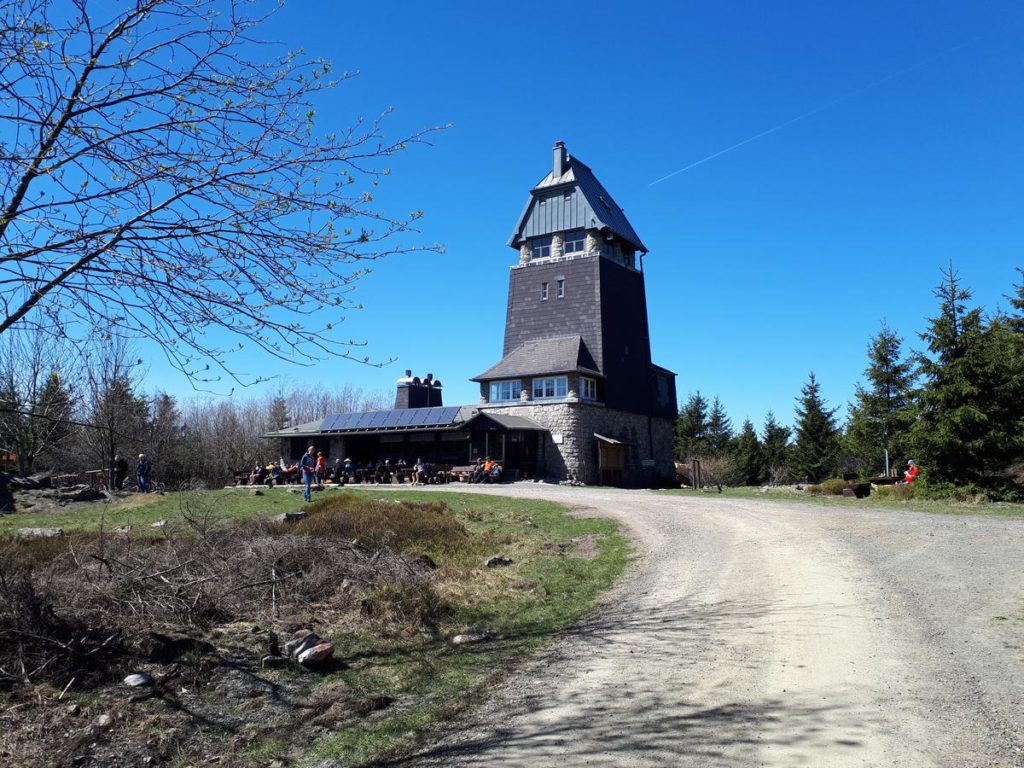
(85, 493)
(73, 710)
(301, 641)
(103, 721)
(471, 637)
(138, 680)
(159, 524)
(497, 560)
(273, 662)
(318, 654)
(290, 517)
(26, 534)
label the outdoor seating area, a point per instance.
(381, 473)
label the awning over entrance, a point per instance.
(611, 440)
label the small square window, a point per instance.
(540, 248)
(575, 241)
(561, 289)
(543, 291)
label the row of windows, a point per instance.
(573, 242)
(550, 388)
(559, 290)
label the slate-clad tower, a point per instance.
(577, 355)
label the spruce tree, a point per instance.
(776, 449)
(747, 457)
(881, 416)
(971, 421)
(719, 430)
(690, 428)
(816, 452)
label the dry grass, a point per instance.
(69, 606)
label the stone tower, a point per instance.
(577, 357)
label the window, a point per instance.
(540, 248)
(543, 291)
(504, 391)
(575, 241)
(561, 289)
(546, 389)
(588, 388)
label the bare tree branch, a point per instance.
(159, 183)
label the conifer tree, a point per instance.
(970, 424)
(691, 427)
(719, 430)
(816, 452)
(747, 456)
(776, 449)
(881, 416)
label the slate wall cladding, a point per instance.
(530, 317)
(575, 425)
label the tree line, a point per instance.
(71, 411)
(956, 406)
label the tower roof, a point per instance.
(570, 197)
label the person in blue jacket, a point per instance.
(308, 466)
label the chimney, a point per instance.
(561, 159)
(412, 392)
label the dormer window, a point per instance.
(540, 248)
(574, 241)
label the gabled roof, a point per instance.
(573, 200)
(560, 354)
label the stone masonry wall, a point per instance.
(570, 445)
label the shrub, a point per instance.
(894, 492)
(414, 528)
(833, 487)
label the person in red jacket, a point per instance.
(910, 473)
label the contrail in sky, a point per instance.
(816, 110)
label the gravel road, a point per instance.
(757, 633)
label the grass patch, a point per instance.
(875, 501)
(143, 509)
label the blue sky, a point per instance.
(771, 260)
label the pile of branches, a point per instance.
(69, 609)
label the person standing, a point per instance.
(308, 466)
(321, 469)
(142, 472)
(120, 472)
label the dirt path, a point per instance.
(765, 634)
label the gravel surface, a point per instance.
(759, 633)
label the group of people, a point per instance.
(486, 471)
(143, 473)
